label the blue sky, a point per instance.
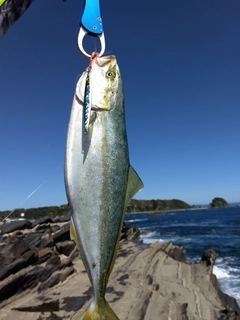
(180, 66)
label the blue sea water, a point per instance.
(197, 231)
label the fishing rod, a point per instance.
(35, 190)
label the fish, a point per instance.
(99, 180)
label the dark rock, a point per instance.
(124, 231)
(40, 306)
(183, 310)
(56, 278)
(20, 282)
(33, 239)
(46, 240)
(12, 268)
(51, 316)
(46, 243)
(67, 272)
(133, 234)
(30, 256)
(208, 258)
(53, 260)
(178, 253)
(62, 235)
(42, 227)
(56, 219)
(14, 247)
(54, 228)
(48, 271)
(128, 233)
(51, 282)
(66, 263)
(65, 247)
(44, 255)
(122, 279)
(76, 303)
(149, 279)
(74, 254)
(53, 264)
(66, 217)
(41, 221)
(229, 314)
(15, 225)
(37, 246)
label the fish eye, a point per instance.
(111, 74)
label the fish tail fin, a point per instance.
(100, 311)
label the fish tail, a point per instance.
(100, 311)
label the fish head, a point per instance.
(105, 83)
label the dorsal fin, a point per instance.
(134, 185)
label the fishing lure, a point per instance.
(87, 102)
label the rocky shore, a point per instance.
(42, 277)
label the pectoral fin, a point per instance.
(73, 236)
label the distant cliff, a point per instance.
(218, 203)
(156, 205)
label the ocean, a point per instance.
(197, 231)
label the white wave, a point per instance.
(221, 273)
(185, 239)
(150, 234)
(151, 240)
(146, 228)
(183, 224)
(135, 220)
(231, 287)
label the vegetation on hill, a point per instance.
(218, 203)
(134, 206)
(35, 213)
(156, 205)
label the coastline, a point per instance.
(147, 282)
(165, 211)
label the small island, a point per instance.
(218, 203)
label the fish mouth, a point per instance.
(101, 61)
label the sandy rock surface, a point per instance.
(146, 284)
(42, 277)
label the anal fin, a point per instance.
(73, 235)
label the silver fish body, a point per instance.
(98, 177)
